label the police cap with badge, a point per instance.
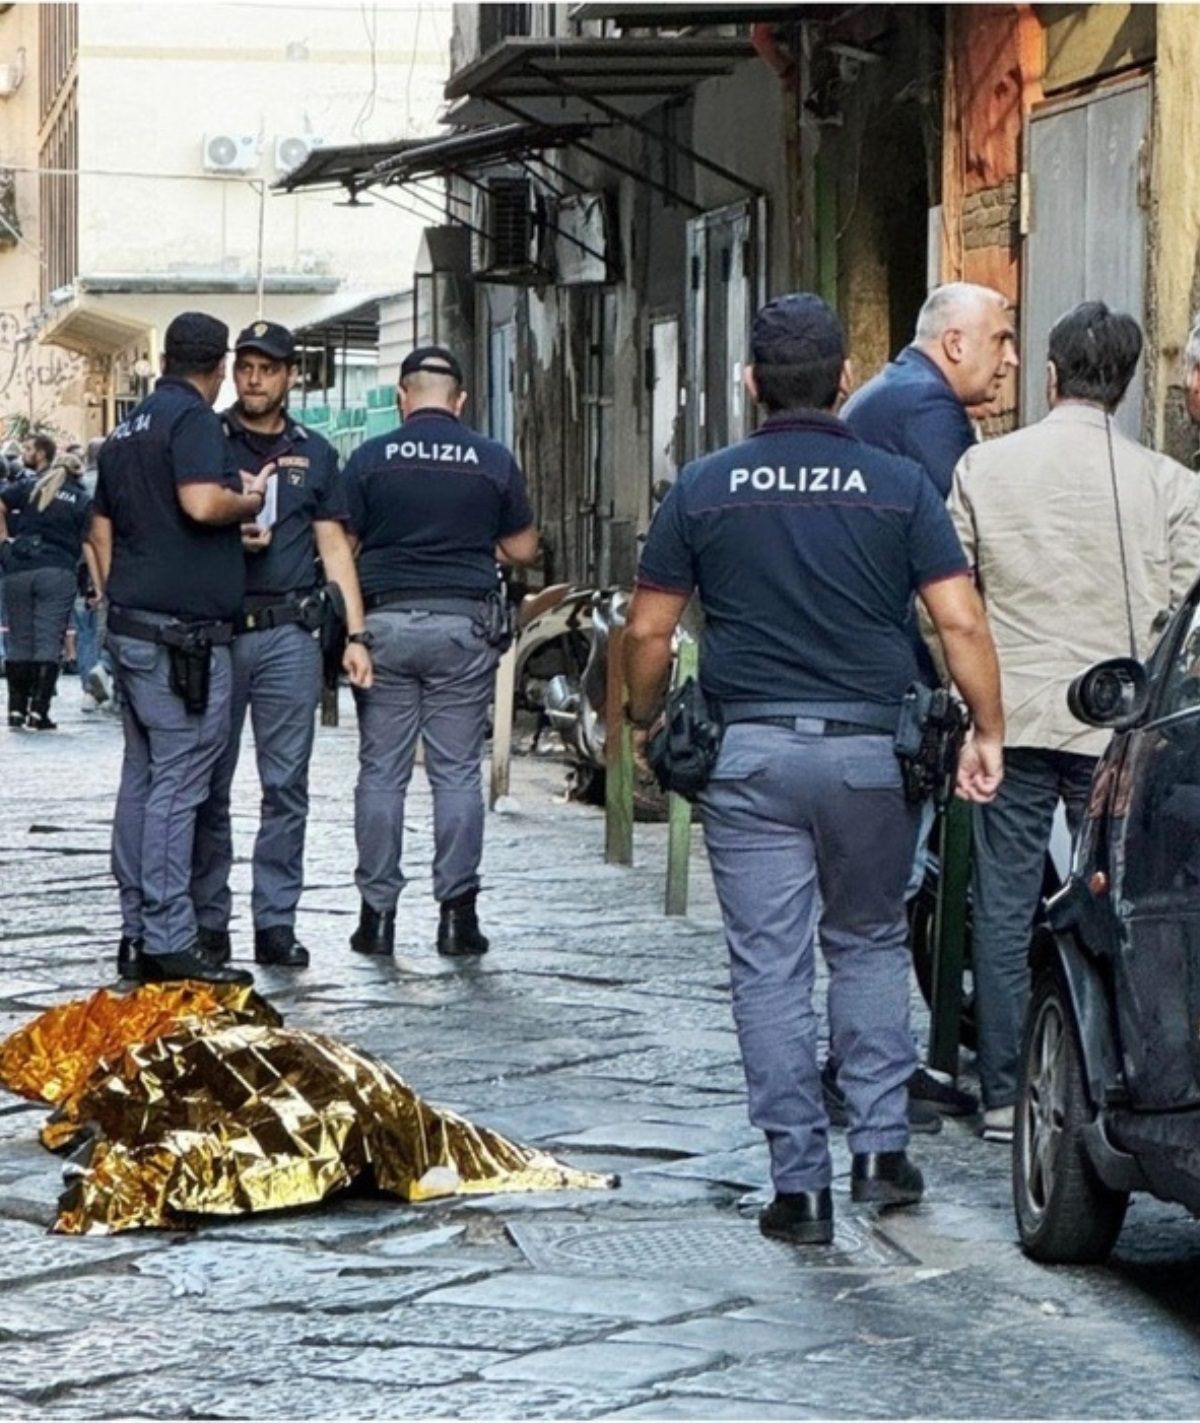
(270, 338)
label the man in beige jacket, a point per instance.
(1081, 540)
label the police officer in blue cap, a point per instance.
(276, 656)
(169, 500)
(805, 546)
(433, 505)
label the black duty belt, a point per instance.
(175, 633)
(443, 600)
(828, 727)
(259, 615)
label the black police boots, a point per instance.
(886, 1178)
(279, 947)
(19, 676)
(43, 683)
(459, 933)
(191, 962)
(214, 945)
(129, 957)
(799, 1217)
(376, 932)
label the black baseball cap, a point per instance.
(270, 338)
(436, 360)
(796, 329)
(196, 339)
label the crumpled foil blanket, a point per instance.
(192, 1099)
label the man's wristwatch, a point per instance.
(362, 639)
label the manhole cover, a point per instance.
(719, 1246)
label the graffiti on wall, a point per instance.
(33, 378)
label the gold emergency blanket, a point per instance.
(197, 1100)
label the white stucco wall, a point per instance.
(154, 80)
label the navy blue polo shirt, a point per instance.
(62, 525)
(164, 561)
(806, 546)
(308, 487)
(429, 502)
(910, 409)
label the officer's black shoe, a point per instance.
(215, 945)
(189, 963)
(801, 1217)
(129, 957)
(459, 933)
(280, 947)
(376, 932)
(887, 1178)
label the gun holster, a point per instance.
(684, 750)
(496, 620)
(929, 736)
(190, 654)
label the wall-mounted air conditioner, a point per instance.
(510, 224)
(230, 153)
(291, 149)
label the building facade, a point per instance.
(139, 145)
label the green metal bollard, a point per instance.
(679, 811)
(950, 936)
(618, 756)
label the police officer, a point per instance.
(276, 657)
(433, 505)
(169, 500)
(805, 546)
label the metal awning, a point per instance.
(675, 15)
(586, 80)
(91, 330)
(356, 329)
(477, 148)
(346, 166)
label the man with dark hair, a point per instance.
(37, 452)
(276, 658)
(806, 546)
(169, 500)
(1081, 540)
(433, 506)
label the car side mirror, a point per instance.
(1112, 693)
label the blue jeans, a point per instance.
(1011, 837)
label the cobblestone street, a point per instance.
(600, 1030)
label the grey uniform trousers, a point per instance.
(39, 603)
(170, 755)
(433, 681)
(809, 836)
(1011, 835)
(277, 679)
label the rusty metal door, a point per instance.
(1087, 167)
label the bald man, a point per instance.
(917, 405)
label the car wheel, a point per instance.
(1065, 1213)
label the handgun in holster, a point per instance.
(929, 736)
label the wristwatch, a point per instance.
(365, 638)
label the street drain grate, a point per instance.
(718, 1247)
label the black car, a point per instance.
(1109, 1100)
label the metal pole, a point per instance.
(618, 755)
(262, 220)
(679, 811)
(950, 937)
